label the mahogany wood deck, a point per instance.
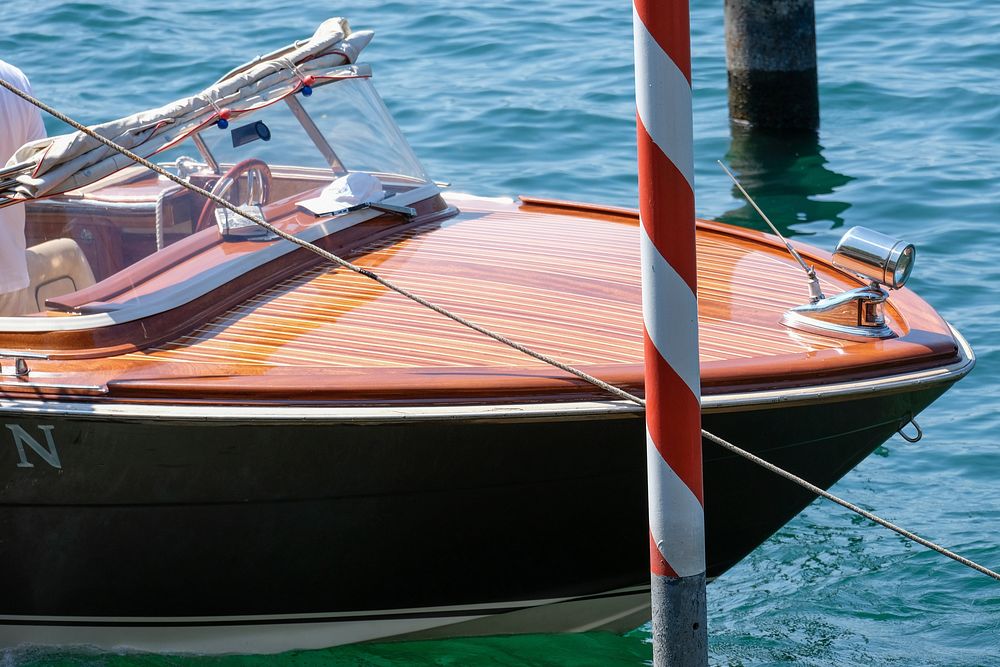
(563, 279)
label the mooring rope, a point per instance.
(854, 508)
(616, 391)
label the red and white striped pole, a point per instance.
(670, 314)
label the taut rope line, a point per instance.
(616, 391)
(854, 508)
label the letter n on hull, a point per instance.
(48, 454)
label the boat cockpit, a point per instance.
(307, 144)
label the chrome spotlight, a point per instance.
(858, 314)
(875, 256)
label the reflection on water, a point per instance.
(783, 172)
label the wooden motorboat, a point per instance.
(225, 444)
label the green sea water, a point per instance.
(504, 98)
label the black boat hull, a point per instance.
(152, 521)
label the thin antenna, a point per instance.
(815, 292)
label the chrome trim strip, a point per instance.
(527, 411)
(283, 414)
(950, 373)
(53, 385)
(200, 285)
(23, 354)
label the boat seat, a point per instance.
(56, 267)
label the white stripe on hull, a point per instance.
(617, 612)
(215, 639)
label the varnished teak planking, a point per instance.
(329, 334)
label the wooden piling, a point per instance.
(771, 59)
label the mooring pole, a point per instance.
(771, 58)
(670, 314)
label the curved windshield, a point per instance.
(343, 125)
(310, 164)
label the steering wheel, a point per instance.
(256, 171)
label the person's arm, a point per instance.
(33, 125)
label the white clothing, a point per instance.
(20, 122)
(352, 189)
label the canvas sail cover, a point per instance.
(62, 163)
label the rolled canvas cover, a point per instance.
(65, 162)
